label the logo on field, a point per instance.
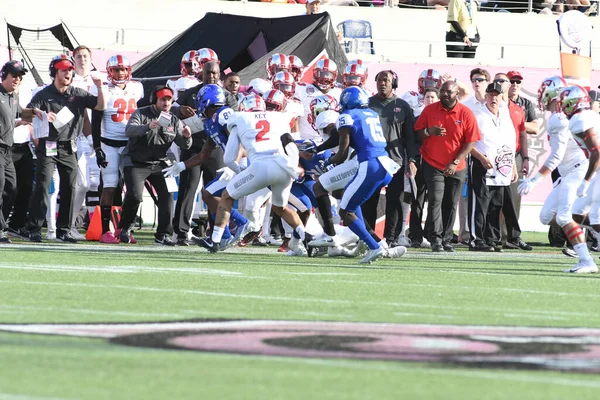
(559, 349)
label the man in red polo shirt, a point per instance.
(449, 131)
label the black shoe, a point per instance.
(437, 248)
(125, 236)
(415, 245)
(595, 247)
(183, 241)
(448, 247)
(454, 239)
(481, 247)
(20, 233)
(208, 244)
(518, 244)
(164, 240)
(35, 237)
(497, 248)
(4, 237)
(65, 238)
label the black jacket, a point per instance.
(149, 146)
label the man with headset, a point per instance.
(397, 121)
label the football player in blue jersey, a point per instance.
(359, 127)
(212, 106)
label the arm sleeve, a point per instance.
(409, 133)
(530, 114)
(232, 101)
(90, 100)
(136, 125)
(558, 147)
(332, 141)
(231, 151)
(458, 29)
(97, 127)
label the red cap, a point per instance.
(514, 74)
(164, 93)
(64, 65)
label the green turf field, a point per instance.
(441, 311)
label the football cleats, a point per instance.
(63, 59)
(355, 74)
(550, 90)
(209, 96)
(274, 100)
(251, 103)
(277, 62)
(297, 67)
(285, 82)
(259, 86)
(573, 99)
(429, 78)
(205, 55)
(324, 74)
(353, 97)
(114, 76)
(189, 64)
(318, 105)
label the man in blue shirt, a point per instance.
(359, 127)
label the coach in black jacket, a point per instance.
(397, 121)
(151, 131)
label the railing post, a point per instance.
(430, 50)
(501, 52)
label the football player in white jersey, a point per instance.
(285, 83)
(572, 165)
(583, 124)
(296, 67)
(428, 78)
(189, 69)
(325, 74)
(108, 132)
(88, 177)
(273, 157)
(355, 74)
(276, 63)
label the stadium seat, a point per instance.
(357, 36)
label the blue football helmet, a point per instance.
(209, 96)
(353, 97)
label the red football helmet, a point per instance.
(355, 74)
(277, 62)
(205, 55)
(259, 86)
(187, 59)
(285, 82)
(324, 74)
(59, 59)
(573, 99)
(297, 67)
(429, 78)
(550, 90)
(319, 104)
(275, 100)
(252, 102)
(114, 62)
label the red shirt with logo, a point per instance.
(461, 128)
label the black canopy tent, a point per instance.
(244, 44)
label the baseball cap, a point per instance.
(494, 87)
(64, 65)
(14, 67)
(164, 92)
(594, 95)
(514, 74)
(312, 1)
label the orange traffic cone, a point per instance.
(94, 231)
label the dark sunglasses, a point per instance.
(500, 80)
(518, 82)
(478, 80)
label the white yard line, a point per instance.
(126, 269)
(408, 314)
(11, 309)
(9, 396)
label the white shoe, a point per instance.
(584, 267)
(324, 241)
(403, 241)
(76, 235)
(242, 231)
(227, 243)
(570, 252)
(341, 251)
(297, 247)
(425, 244)
(372, 255)
(383, 243)
(51, 235)
(395, 252)
(273, 242)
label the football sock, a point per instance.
(105, 217)
(358, 227)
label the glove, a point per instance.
(582, 189)
(308, 146)
(322, 166)
(101, 158)
(527, 184)
(174, 170)
(226, 174)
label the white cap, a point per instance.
(325, 118)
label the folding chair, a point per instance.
(357, 36)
